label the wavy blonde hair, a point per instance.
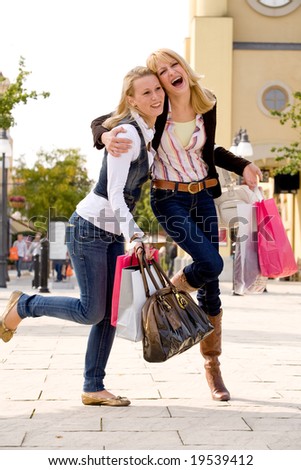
(202, 99)
(124, 108)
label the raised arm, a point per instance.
(102, 137)
(98, 130)
(239, 165)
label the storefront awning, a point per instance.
(17, 226)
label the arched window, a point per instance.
(274, 3)
(274, 7)
(275, 98)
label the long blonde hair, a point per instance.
(202, 99)
(124, 108)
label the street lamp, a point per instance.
(5, 151)
(241, 146)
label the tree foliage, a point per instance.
(290, 155)
(58, 180)
(144, 215)
(14, 94)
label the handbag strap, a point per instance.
(164, 280)
(161, 274)
(143, 264)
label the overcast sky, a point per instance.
(79, 51)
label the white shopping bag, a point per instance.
(131, 300)
(246, 272)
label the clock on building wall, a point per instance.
(274, 7)
(274, 3)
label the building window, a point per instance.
(274, 7)
(275, 98)
(274, 3)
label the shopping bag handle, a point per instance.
(143, 264)
(258, 193)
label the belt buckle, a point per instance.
(191, 191)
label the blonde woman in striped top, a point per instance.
(184, 185)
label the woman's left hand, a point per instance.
(251, 174)
(148, 249)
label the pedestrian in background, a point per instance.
(34, 249)
(21, 246)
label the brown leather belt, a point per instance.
(192, 188)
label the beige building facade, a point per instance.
(249, 53)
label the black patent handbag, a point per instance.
(172, 322)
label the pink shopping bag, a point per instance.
(275, 254)
(123, 261)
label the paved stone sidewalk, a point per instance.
(41, 381)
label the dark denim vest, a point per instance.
(138, 173)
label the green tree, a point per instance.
(144, 215)
(14, 94)
(290, 155)
(57, 181)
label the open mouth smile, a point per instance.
(177, 81)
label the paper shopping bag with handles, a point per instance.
(247, 277)
(131, 300)
(123, 261)
(275, 254)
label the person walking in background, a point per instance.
(96, 234)
(58, 267)
(22, 251)
(184, 185)
(34, 249)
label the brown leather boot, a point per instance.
(211, 349)
(180, 282)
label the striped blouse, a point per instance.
(173, 162)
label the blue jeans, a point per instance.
(191, 221)
(93, 254)
(19, 265)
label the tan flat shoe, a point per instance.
(88, 399)
(5, 333)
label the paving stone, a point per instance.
(230, 439)
(103, 440)
(12, 436)
(281, 423)
(41, 377)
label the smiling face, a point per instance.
(147, 98)
(173, 77)
(171, 71)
